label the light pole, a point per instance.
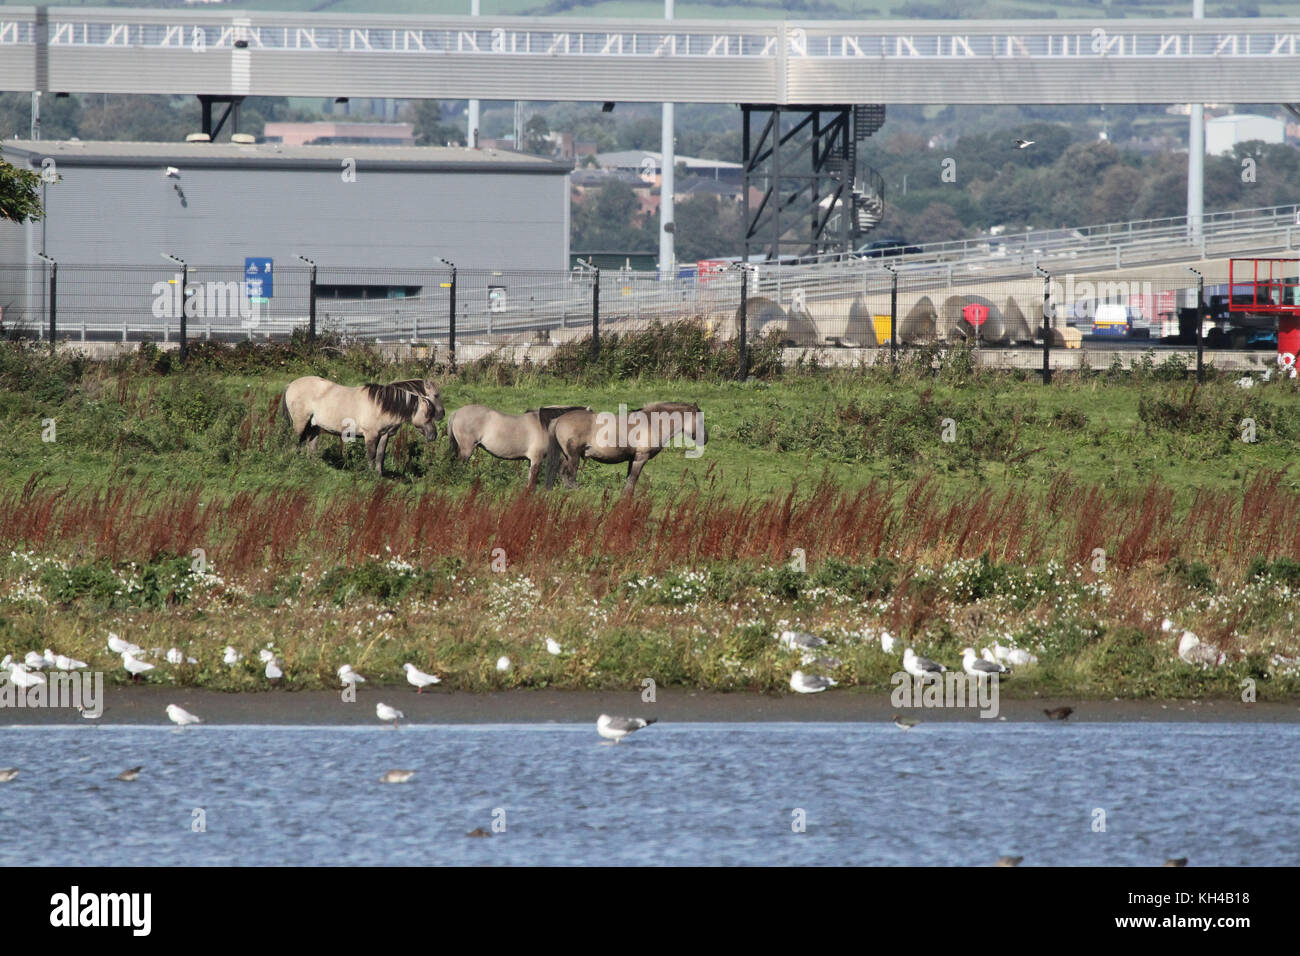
(667, 163)
(185, 281)
(311, 301)
(451, 314)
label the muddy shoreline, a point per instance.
(146, 705)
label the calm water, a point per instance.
(955, 794)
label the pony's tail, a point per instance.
(451, 437)
(553, 456)
(284, 408)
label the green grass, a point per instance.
(1132, 444)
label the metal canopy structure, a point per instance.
(804, 163)
(241, 53)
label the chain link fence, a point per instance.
(858, 311)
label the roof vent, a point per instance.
(198, 138)
(244, 139)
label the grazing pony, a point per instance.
(609, 437)
(314, 405)
(510, 437)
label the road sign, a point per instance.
(976, 314)
(258, 278)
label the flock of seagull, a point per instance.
(27, 672)
(995, 659)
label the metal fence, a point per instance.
(865, 309)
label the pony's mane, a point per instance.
(398, 398)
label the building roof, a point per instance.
(633, 158)
(280, 156)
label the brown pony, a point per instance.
(613, 437)
(314, 405)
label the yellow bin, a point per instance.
(881, 323)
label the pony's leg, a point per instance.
(315, 438)
(634, 472)
(372, 445)
(533, 465)
(381, 448)
(569, 472)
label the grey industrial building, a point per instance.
(376, 219)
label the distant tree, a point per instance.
(20, 199)
(706, 227)
(936, 223)
(430, 130)
(608, 220)
(535, 132)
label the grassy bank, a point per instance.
(1069, 520)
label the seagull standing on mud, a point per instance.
(616, 728)
(809, 683)
(135, 667)
(180, 716)
(921, 667)
(386, 713)
(419, 679)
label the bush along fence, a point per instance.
(867, 311)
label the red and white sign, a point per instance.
(975, 314)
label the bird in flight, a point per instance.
(904, 723)
(1024, 143)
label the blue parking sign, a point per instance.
(258, 278)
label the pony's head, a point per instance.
(427, 412)
(434, 396)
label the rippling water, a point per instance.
(946, 794)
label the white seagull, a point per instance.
(419, 678)
(980, 667)
(397, 776)
(796, 640)
(19, 674)
(1024, 143)
(503, 663)
(265, 655)
(887, 642)
(921, 667)
(1193, 650)
(1013, 656)
(174, 656)
(135, 667)
(386, 713)
(552, 647)
(348, 676)
(64, 663)
(119, 646)
(616, 728)
(273, 671)
(809, 683)
(231, 657)
(180, 716)
(35, 661)
(7, 774)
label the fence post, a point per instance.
(311, 301)
(1047, 324)
(743, 370)
(185, 281)
(595, 311)
(451, 315)
(54, 298)
(893, 316)
(1200, 325)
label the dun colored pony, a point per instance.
(375, 412)
(511, 437)
(634, 437)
